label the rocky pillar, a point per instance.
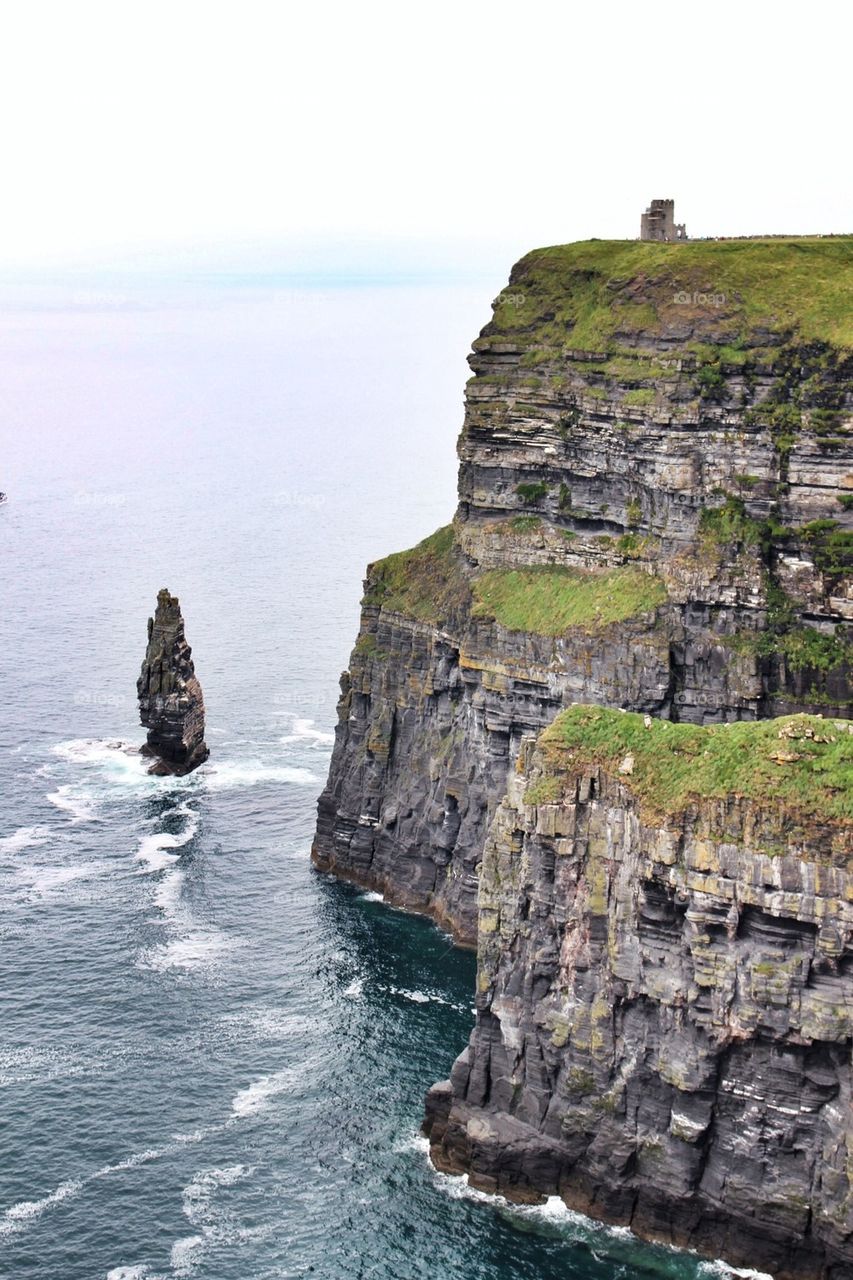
(171, 704)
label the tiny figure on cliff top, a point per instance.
(171, 703)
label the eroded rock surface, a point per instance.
(665, 1007)
(171, 704)
(701, 450)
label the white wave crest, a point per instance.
(157, 851)
(226, 776)
(724, 1271)
(16, 1217)
(302, 730)
(70, 800)
(198, 949)
(258, 1095)
(24, 838)
(42, 881)
(185, 1254)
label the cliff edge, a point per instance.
(665, 987)
(655, 513)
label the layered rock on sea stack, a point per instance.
(665, 987)
(655, 513)
(171, 704)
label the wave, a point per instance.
(70, 800)
(724, 1270)
(259, 1094)
(157, 850)
(603, 1240)
(426, 997)
(198, 949)
(226, 776)
(41, 881)
(37, 1063)
(24, 838)
(129, 1273)
(183, 1255)
(17, 1217)
(303, 731)
(265, 1023)
(211, 1223)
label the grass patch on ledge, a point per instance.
(582, 295)
(550, 599)
(427, 582)
(802, 762)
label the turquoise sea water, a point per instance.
(213, 1060)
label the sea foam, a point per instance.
(24, 838)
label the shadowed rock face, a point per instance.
(171, 704)
(664, 1002)
(704, 465)
(664, 1015)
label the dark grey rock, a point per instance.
(171, 704)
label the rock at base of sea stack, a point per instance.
(171, 703)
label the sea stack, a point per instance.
(171, 703)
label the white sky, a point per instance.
(237, 129)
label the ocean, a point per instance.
(213, 1059)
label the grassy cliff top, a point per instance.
(801, 763)
(584, 295)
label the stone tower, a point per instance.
(658, 222)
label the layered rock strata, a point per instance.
(655, 513)
(665, 988)
(171, 704)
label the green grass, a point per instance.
(675, 764)
(640, 398)
(730, 524)
(426, 583)
(532, 493)
(580, 296)
(549, 599)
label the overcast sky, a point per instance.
(236, 131)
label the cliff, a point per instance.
(665, 987)
(171, 704)
(655, 513)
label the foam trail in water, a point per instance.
(202, 1212)
(42, 881)
(17, 1217)
(258, 1095)
(303, 730)
(196, 950)
(156, 850)
(184, 1254)
(24, 838)
(225, 776)
(70, 801)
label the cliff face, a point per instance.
(656, 483)
(665, 987)
(171, 704)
